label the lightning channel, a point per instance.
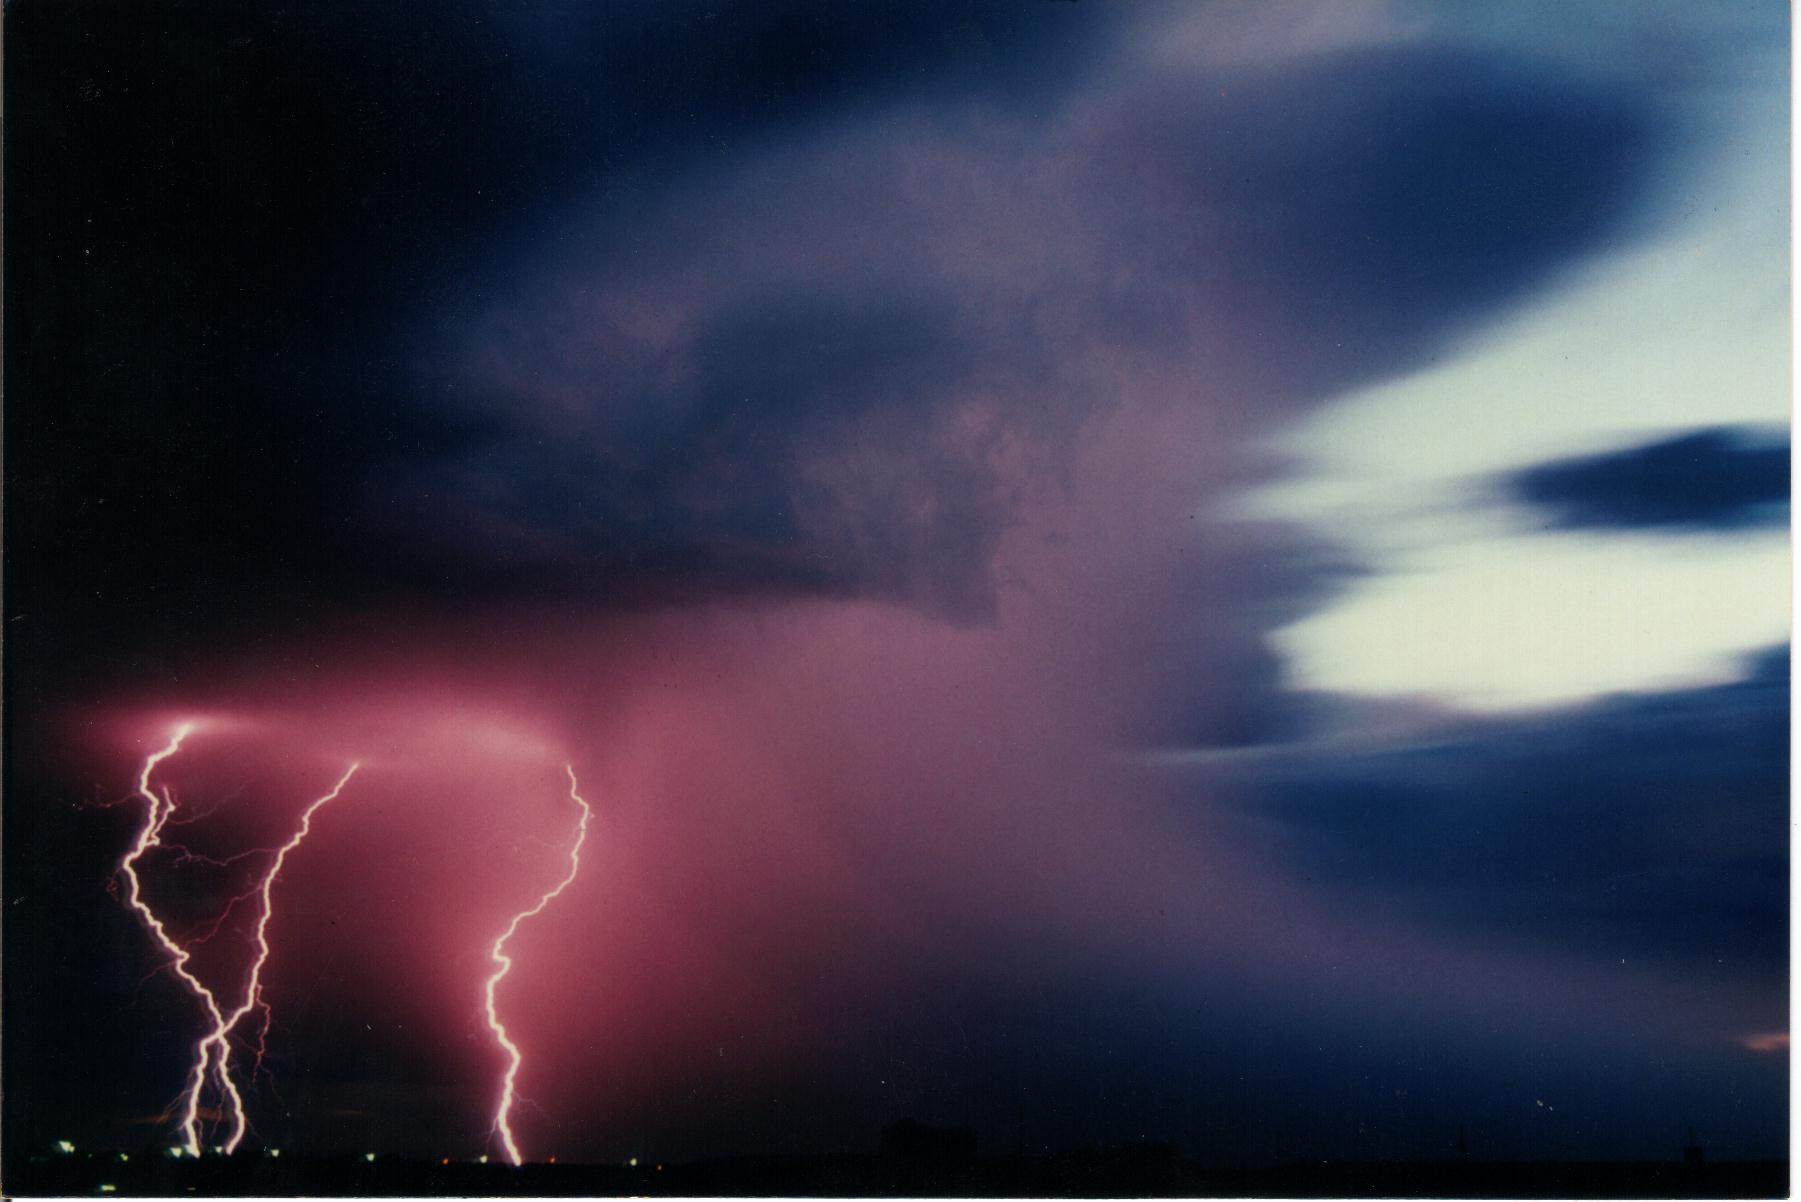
(212, 1051)
(156, 816)
(504, 964)
(253, 987)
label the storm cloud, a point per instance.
(1645, 826)
(1720, 479)
(816, 426)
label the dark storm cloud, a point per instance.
(1259, 578)
(1351, 210)
(670, 74)
(1382, 199)
(710, 469)
(1724, 478)
(236, 213)
(1647, 826)
(256, 239)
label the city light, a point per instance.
(64, 1146)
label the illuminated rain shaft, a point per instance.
(504, 964)
(212, 1052)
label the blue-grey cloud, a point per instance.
(1652, 827)
(239, 216)
(1384, 198)
(1723, 478)
(378, 187)
(820, 315)
(710, 470)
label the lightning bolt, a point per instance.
(156, 816)
(212, 1052)
(504, 964)
(253, 987)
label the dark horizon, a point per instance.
(914, 1160)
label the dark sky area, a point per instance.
(818, 426)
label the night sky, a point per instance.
(1201, 572)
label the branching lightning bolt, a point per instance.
(504, 964)
(150, 835)
(212, 1053)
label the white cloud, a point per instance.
(1686, 329)
(1541, 619)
